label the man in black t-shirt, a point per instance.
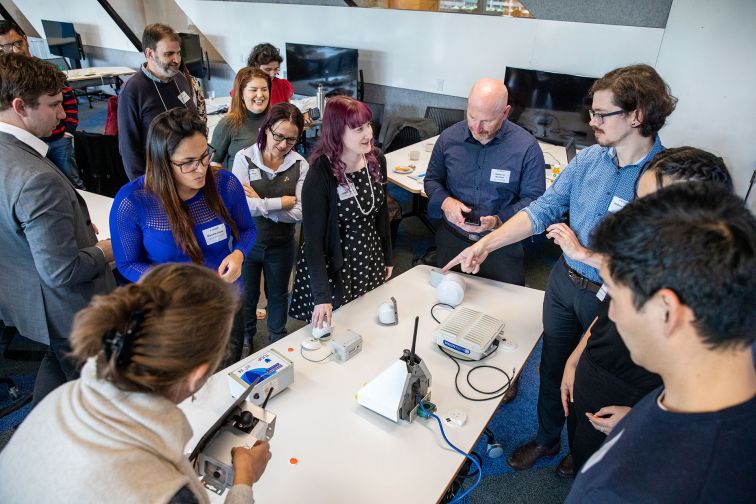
(680, 267)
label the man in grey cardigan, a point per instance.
(51, 263)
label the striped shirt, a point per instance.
(589, 187)
(69, 124)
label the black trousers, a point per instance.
(594, 388)
(568, 311)
(56, 368)
(236, 342)
(505, 265)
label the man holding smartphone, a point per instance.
(482, 171)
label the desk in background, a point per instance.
(82, 78)
(347, 453)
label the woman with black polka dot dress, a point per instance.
(347, 239)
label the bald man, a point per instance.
(482, 171)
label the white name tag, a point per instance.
(344, 192)
(183, 97)
(500, 176)
(601, 294)
(215, 234)
(617, 204)
(254, 174)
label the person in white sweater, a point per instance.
(117, 434)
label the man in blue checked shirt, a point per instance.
(483, 170)
(630, 106)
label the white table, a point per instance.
(214, 119)
(99, 212)
(401, 157)
(97, 76)
(347, 453)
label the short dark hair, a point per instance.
(696, 239)
(7, 26)
(690, 164)
(262, 54)
(27, 78)
(156, 32)
(639, 87)
(283, 111)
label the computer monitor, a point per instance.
(191, 53)
(333, 67)
(63, 40)
(551, 106)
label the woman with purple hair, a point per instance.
(347, 240)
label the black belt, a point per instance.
(579, 280)
(470, 237)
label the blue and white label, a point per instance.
(456, 348)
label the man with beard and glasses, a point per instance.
(630, 105)
(159, 87)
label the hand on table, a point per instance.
(321, 315)
(607, 417)
(231, 266)
(250, 463)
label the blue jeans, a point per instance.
(275, 262)
(61, 153)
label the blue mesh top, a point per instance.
(142, 236)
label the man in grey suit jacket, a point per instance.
(51, 263)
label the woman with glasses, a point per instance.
(267, 58)
(117, 433)
(347, 238)
(238, 129)
(181, 211)
(272, 174)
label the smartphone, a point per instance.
(472, 218)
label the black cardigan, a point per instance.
(320, 226)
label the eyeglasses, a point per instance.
(279, 138)
(18, 44)
(194, 164)
(600, 116)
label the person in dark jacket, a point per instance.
(347, 240)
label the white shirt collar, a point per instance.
(26, 137)
(289, 159)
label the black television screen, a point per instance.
(63, 40)
(551, 106)
(191, 53)
(333, 67)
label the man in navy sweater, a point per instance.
(680, 267)
(159, 87)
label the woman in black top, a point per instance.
(600, 382)
(347, 239)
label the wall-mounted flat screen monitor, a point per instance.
(63, 40)
(333, 67)
(191, 53)
(552, 106)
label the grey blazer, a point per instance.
(49, 266)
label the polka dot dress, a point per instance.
(364, 264)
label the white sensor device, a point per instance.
(450, 288)
(322, 332)
(388, 313)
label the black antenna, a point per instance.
(265, 402)
(414, 340)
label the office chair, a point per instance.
(444, 117)
(99, 162)
(406, 136)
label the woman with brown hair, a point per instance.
(249, 104)
(181, 211)
(117, 434)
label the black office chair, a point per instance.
(377, 121)
(99, 162)
(406, 136)
(444, 117)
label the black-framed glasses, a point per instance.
(18, 44)
(600, 116)
(194, 164)
(279, 138)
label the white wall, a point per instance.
(707, 57)
(416, 50)
(90, 20)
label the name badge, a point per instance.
(183, 97)
(344, 192)
(215, 234)
(500, 176)
(617, 204)
(601, 294)
(254, 174)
